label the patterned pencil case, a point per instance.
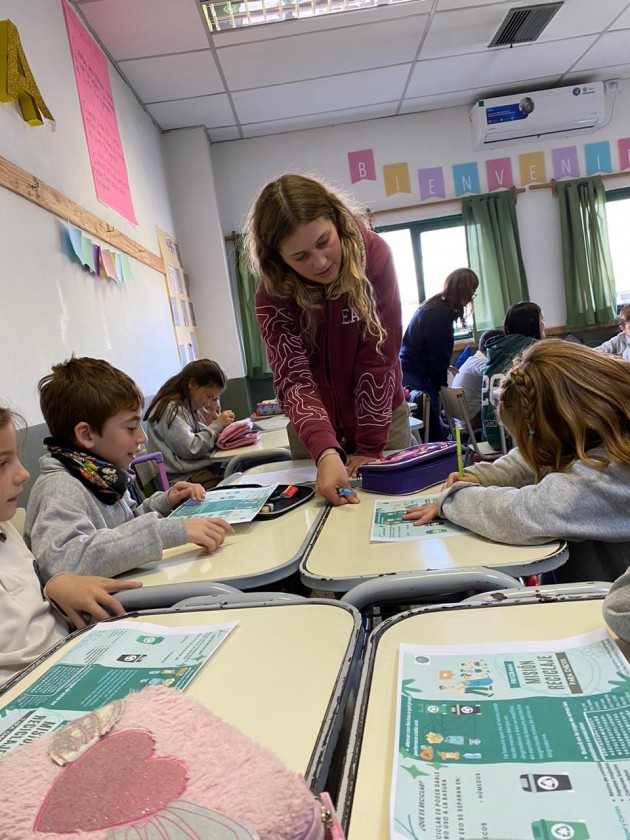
(282, 500)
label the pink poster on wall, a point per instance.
(99, 118)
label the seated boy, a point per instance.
(619, 345)
(80, 517)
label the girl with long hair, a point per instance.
(567, 408)
(329, 313)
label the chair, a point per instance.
(418, 399)
(456, 408)
(150, 473)
(240, 463)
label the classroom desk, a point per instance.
(282, 676)
(340, 554)
(258, 553)
(275, 439)
(363, 801)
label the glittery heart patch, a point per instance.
(186, 820)
(72, 740)
(118, 780)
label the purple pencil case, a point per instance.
(410, 469)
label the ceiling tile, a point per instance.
(582, 17)
(322, 23)
(612, 48)
(226, 132)
(325, 54)
(467, 4)
(623, 21)
(495, 67)
(328, 118)
(319, 95)
(137, 28)
(602, 74)
(466, 31)
(202, 110)
(173, 76)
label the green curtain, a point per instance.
(253, 345)
(494, 254)
(589, 282)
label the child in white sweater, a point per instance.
(29, 625)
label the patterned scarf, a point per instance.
(107, 482)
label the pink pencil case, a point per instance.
(239, 433)
(156, 764)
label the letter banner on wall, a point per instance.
(396, 177)
(565, 163)
(362, 166)
(431, 182)
(499, 174)
(532, 168)
(598, 158)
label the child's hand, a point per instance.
(454, 477)
(331, 474)
(423, 513)
(208, 533)
(76, 594)
(225, 418)
(354, 462)
(182, 490)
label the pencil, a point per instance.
(458, 441)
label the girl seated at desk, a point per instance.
(567, 408)
(185, 419)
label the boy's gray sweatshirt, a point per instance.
(184, 450)
(69, 530)
(585, 506)
(617, 607)
(618, 345)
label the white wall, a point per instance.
(435, 138)
(50, 307)
(191, 186)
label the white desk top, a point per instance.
(274, 677)
(256, 554)
(370, 802)
(343, 556)
(276, 439)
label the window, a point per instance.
(618, 214)
(425, 253)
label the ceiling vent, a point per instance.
(524, 24)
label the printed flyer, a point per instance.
(388, 524)
(526, 741)
(106, 664)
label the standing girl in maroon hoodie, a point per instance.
(329, 313)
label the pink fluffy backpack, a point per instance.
(239, 433)
(156, 765)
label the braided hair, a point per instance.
(560, 399)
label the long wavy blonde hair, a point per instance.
(280, 208)
(560, 399)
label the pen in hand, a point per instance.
(344, 491)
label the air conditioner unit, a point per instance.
(567, 110)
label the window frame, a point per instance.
(416, 229)
(620, 194)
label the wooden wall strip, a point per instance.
(28, 186)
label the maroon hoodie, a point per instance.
(342, 387)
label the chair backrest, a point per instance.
(457, 411)
(150, 472)
(240, 463)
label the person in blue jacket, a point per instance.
(427, 345)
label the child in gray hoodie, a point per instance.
(80, 516)
(567, 408)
